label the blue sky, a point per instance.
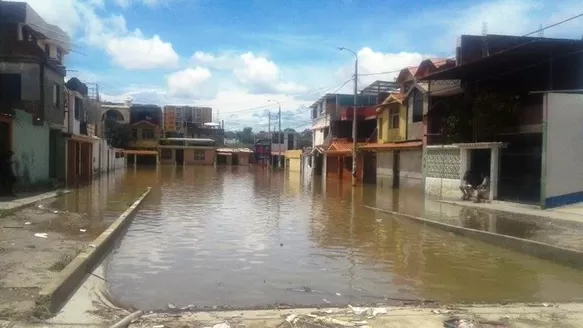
(235, 55)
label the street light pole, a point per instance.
(279, 136)
(354, 126)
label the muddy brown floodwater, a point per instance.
(241, 237)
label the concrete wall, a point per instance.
(209, 157)
(54, 114)
(411, 167)
(31, 150)
(29, 75)
(71, 125)
(562, 150)
(384, 164)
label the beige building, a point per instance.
(177, 118)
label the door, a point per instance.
(396, 168)
(180, 156)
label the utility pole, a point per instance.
(354, 126)
(280, 135)
(269, 136)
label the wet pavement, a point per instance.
(241, 237)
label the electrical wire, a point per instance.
(504, 50)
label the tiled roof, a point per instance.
(339, 147)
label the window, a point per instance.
(417, 112)
(135, 134)
(10, 87)
(199, 155)
(48, 50)
(147, 134)
(77, 107)
(394, 118)
(59, 55)
(56, 95)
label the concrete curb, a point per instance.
(53, 296)
(565, 256)
(17, 204)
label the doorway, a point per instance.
(480, 163)
(5, 136)
(180, 156)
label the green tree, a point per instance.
(246, 136)
(117, 135)
(305, 138)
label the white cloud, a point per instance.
(186, 83)
(372, 62)
(127, 49)
(134, 52)
(149, 3)
(256, 73)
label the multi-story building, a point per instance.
(178, 119)
(332, 125)
(32, 72)
(88, 155)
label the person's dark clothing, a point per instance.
(7, 177)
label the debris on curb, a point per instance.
(41, 235)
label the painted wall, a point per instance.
(31, 150)
(393, 134)
(293, 158)
(209, 157)
(411, 166)
(562, 151)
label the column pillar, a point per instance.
(494, 172)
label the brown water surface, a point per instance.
(242, 237)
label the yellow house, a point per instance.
(293, 160)
(392, 119)
(143, 148)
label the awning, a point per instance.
(339, 147)
(393, 145)
(139, 152)
(83, 138)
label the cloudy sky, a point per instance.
(235, 55)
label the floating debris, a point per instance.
(26, 223)
(83, 230)
(368, 312)
(458, 323)
(41, 235)
(171, 306)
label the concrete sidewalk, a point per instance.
(8, 204)
(573, 213)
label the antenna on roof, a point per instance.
(485, 51)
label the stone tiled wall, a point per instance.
(442, 163)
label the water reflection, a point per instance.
(246, 237)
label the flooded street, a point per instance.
(243, 238)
